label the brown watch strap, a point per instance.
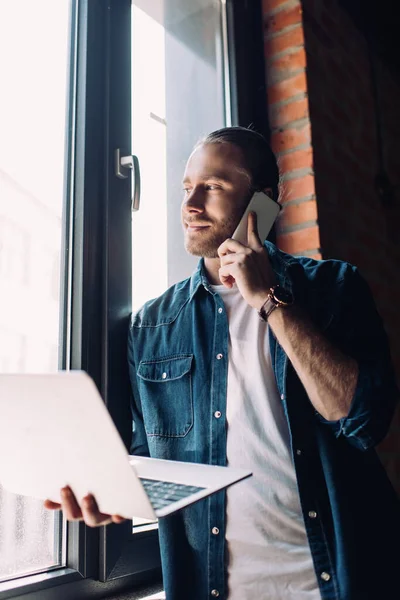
(264, 311)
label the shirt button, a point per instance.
(325, 576)
(219, 356)
(214, 593)
(220, 310)
(282, 396)
(215, 530)
(298, 452)
(217, 414)
(312, 514)
(164, 376)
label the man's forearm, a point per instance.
(328, 376)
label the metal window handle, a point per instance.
(126, 166)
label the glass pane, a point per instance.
(34, 39)
(177, 97)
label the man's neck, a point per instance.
(211, 267)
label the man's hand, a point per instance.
(88, 513)
(248, 265)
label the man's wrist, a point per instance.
(278, 297)
(259, 303)
(267, 308)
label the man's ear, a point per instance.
(269, 192)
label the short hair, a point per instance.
(260, 161)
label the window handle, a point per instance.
(125, 166)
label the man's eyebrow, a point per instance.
(223, 177)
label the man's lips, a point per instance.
(196, 226)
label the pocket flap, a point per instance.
(165, 370)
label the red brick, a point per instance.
(270, 5)
(300, 159)
(282, 65)
(294, 189)
(299, 241)
(284, 114)
(290, 138)
(291, 39)
(298, 213)
(283, 90)
(282, 19)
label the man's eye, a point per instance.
(186, 190)
(211, 186)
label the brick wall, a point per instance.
(297, 229)
(322, 114)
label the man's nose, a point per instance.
(194, 202)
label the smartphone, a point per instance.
(266, 210)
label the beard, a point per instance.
(206, 243)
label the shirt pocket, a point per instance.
(165, 388)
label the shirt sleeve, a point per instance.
(364, 338)
(139, 443)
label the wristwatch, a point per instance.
(278, 297)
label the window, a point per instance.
(32, 125)
(82, 79)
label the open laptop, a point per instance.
(55, 430)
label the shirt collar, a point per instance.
(199, 278)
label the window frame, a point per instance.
(97, 209)
(96, 204)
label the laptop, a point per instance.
(55, 430)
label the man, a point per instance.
(279, 365)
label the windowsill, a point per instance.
(57, 585)
(152, 592)
(30, 583)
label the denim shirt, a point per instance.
(178, 361)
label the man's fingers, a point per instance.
(254, 242)
(69, 505)
(229, 246)
(230, 259)
(236, 258)
(225, 276)
(89, 511)
(117, 519)
(91, 514)
(227, 281)
(50, 505)
(252, 232)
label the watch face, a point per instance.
(283, 295)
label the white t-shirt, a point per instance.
(269, 557)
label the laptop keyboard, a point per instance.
(163, 493)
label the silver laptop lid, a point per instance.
(54, 431)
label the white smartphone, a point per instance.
(266, 210)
